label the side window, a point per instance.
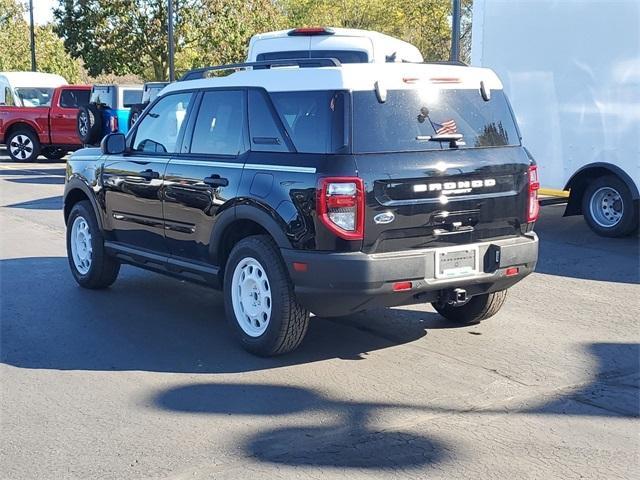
(131, 97)
(219, 128)
(159, 129)
(315, 119)
(264, 132)
(8, 97)
(74, 98)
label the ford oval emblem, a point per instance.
(384, 218)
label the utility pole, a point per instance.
(33, 38)
(455, 32)
(172, 74)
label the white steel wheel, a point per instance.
(21, 147)
(81, 249)
(606, 207)
(251, 297)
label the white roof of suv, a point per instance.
(354, 76)
(380, 48)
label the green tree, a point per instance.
(51, 56)
(424, 23)
(130, 36)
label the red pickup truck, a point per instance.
(49, 128)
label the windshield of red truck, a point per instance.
(35, 96)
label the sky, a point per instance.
(42, 10)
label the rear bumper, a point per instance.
(341, 283)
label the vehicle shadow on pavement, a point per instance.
(38, 180)
(154, 323)
(568, 248)
(348, 440)
(48, 203)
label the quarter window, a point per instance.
(314, 119)
(220, 124)
(160, 128)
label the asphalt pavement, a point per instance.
(143, 380)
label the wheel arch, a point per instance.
(580, 180)
(23, 125)
(77, 191)
(240, 222)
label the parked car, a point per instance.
(577, 97)
(150, 91)
(328, 190)
(107, 111)
(48, 129)
(348, 45)
(28, 89)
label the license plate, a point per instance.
(456, 262)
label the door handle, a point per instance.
(149, 174)
(216, 181)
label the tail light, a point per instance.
(534, 186)
(341, 206)
(113, 124)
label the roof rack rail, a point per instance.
(197, 73)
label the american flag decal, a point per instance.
(447, 127)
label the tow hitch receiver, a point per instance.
(455, 297)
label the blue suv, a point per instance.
(107, 112)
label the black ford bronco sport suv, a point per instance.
(304, 186)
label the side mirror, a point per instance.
(113, 144)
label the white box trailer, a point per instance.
(571, 69)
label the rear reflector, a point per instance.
(300, 266)
(402, 286)
(310, 31)
(511, 271)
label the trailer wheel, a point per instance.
(608, 207)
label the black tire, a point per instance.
(23, 145)
(477, 309)
(89, 124)
(134, 114)
(103, 269)
(608, 207)
(53, 153)
(288, 321)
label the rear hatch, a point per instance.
(470, 186)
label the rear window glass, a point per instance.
(409, 118)
(102, 95)
(344, 56)
(74, 98)
(131, 97)
(35, 96)
(315, 120)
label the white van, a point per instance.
(571, 69)
(40, 86)
(348, 45)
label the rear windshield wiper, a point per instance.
(452, 138)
